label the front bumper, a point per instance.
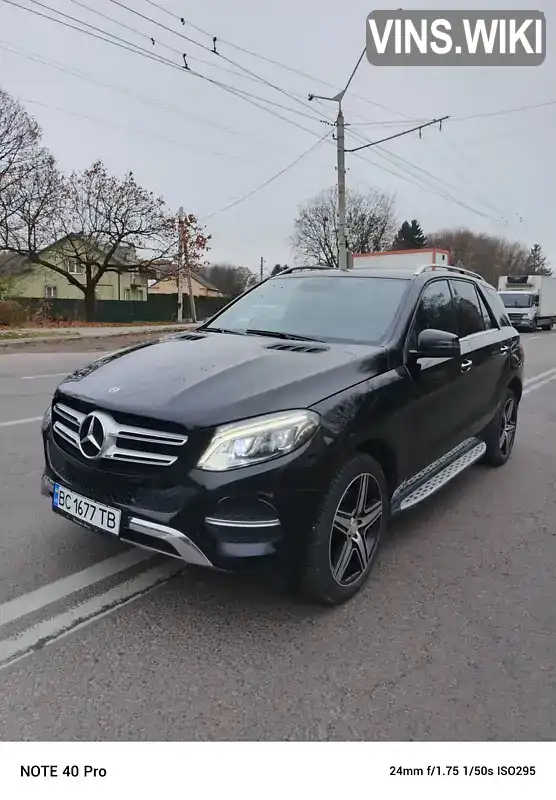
(150, 535)
(218, 520)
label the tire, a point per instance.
(499, 435)
(546, 327)
(340, 554)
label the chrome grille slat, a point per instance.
(66, 433)
(151, 437)
(69, 414)
(115, 437)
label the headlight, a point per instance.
(47, 419)
(258, 439)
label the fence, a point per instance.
(158, 308)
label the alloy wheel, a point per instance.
(508, 426)
(355, 529)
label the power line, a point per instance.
(138, 131)
(157, 42)
(419, 128)
(150, 101)
(267, 59)
(268, 181)
(213, 50)
(505, 111)
(140, 51)
(161, 60)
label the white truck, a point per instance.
(529, 300)
(402, 259)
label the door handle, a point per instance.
(505, 348)
(466, 365)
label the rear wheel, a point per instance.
(347, 534)
(547, 326)
(499, 435)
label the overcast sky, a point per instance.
(202, 147)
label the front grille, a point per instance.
(99, 437)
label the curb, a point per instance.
(4, 343)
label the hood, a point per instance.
(201, 380)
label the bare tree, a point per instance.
(93, 219)
(230, 279)
(370, 226)
(19, 138)
(490, 256)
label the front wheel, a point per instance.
(499, 435)
(344, 541)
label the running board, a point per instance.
(444, 476)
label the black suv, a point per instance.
(293, 424)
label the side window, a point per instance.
(435, 310)
(497, 307)
(469, 314)
(488, 316)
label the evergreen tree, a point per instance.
(278, 268)
(410, 237)
(537, 263)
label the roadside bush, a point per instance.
(12, 313)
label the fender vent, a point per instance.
(298, 348)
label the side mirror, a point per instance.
(437, 344)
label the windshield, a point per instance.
(342, 309)
(512, 300)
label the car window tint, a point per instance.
(469, 314)
(497, 307)
(435, 310)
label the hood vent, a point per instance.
(191, 337)
(298, 348)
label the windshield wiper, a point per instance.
(281, 335)
(222, 330)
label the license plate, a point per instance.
(86, 511)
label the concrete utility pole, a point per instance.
(262, 267)
(180, 265)
(343, 260)
(185, 247)
(340, 139)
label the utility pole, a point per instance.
(341, 149)
(185, 248)
(262, 267)
(340, 140)
(341, 170)
(180, 266)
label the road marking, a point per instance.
(539, 376)
(52, 592)
(539, 384)
(51, 630)
(49, 375)
(25, 421)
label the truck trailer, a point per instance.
(529, 300)
(402, 259)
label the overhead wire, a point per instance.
(268, 181)
(214, 51)
(157, 42)
(139, 132)
(267, 59)
(161, 60)
(141, 51)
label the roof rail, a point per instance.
(460, 270)
(298, 269)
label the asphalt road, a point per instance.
(452, 639)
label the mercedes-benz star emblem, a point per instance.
(91, 436)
